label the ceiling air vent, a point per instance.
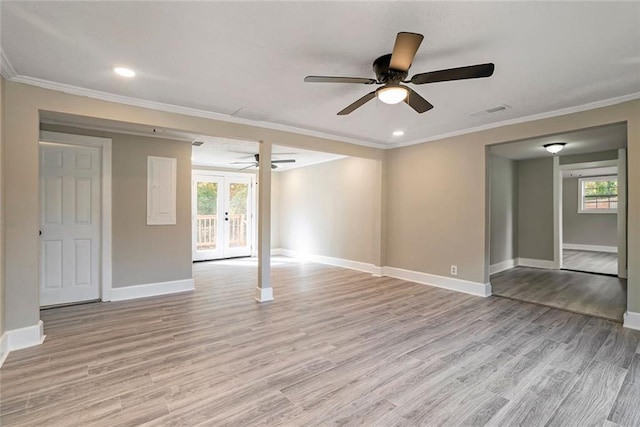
(249, 114)
(491, 110)
(197, 143)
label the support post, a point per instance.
(264, 292)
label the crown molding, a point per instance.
(524, 119)
(171, 108)
(9, 73)
(6, 68)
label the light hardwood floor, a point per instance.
(336, 347)
(596, 262)
(583, 293)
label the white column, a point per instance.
(264, 292)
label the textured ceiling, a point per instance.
(222, 57)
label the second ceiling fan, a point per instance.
(256, 162)
(392, 70)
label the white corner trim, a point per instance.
(502, 266)
(4, 348)
(632, 320)
(537, 263)
(6, 68)
(25, 337)
(264, 294)
(524, 119)
(151, 289)
(459, 285)
(187, 111)
(593, 248)
(338, 262)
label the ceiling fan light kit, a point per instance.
(393, 69)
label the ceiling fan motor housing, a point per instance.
(384, 73)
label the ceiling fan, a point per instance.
(392, 69)
(256, 162)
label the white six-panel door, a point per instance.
(70, 182)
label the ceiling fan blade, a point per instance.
(255, 165)
(241, 163)
(284, 161)
(417, 102)
(359, 103)
(404, 50)
(461, 73)
(328, 79)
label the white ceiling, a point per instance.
(221, 57)
(602, 138)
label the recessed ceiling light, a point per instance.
(398, 133)
(555, 147)
(124, 72)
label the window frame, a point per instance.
(581, 181)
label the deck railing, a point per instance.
(207, 229)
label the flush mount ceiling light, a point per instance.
(554, 147)
(398, 133)
(392, 94)
(124, 72)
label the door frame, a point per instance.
(621, 163)
(104, 144)
(252, 200)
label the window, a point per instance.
(598, 194)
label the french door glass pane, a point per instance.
(238, 198)
(207, 216)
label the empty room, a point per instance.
(319, 213)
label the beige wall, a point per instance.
(504, 209)
(436, 204)
(23, 105)
(585, 229)
(2, 195)
(331, 209)
(535, 209)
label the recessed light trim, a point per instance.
(124, 72)
(554, 147)
(398, 133)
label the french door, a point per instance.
(222, 216)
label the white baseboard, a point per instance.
(593, 248)
(151, 289)
(25, 337)
(632, 320)
(4, 348)
(473, 288)
(502, 266)
(276, 251)
(338, 262)
(264, 294)
(537, 263)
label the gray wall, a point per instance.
(589, 157)
(145, 253)
(330, 209)
(504, 209)
(583, 228)
(535, 209)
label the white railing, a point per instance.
(207, 231)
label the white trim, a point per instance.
(170, 108)
(502, 266)
(524, 119)
(632, 320)
(193, 112)
(338, 262)
(4, 348)
(557, 213)
(622, 213)
(277, 251)
(537, 263)
(459, 285)
(6, 68)
(264, 294)
(592, 248)
(25, 337)
(106, 230)
(151, 289)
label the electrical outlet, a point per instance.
(454, 270)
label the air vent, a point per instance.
(197, 143)
(249, 114)
(491, 110)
